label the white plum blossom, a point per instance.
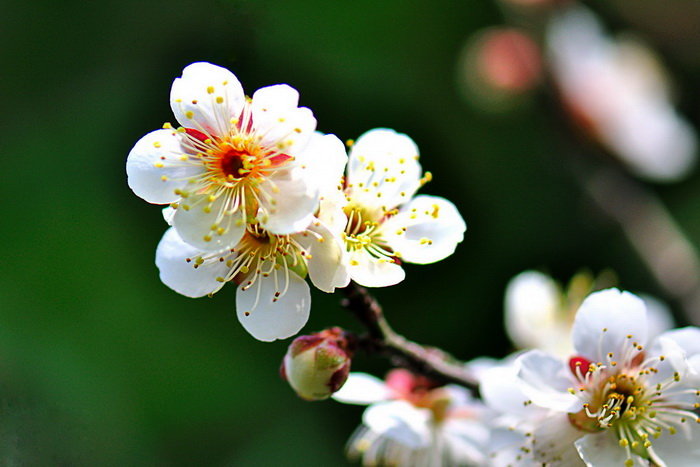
(411, 421)
(378, 217)
(618, 91)
(233, 160)
(539, 312)
(273, 299)
(621, 399)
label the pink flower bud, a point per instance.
(317, 365)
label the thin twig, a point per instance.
(382, 339)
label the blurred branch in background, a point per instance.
(650, 228)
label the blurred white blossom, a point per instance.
(617, 90)
(539, 313)
(412, 422)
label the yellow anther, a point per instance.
(167, 126)
(245, 269)
(210, 90)
(354, 263)
(219, 279)
(206, 209)
(207, 238)
(349, 143)
(189, 114)
(158, 165)
(156, 144)
(624, 443)
(219, 100)
(164, 178)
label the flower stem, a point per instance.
(383, 340)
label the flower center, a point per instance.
(232, 163)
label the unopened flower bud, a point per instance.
(317, 365)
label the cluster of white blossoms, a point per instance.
(258, 197)
(411, 421)
(621, 398)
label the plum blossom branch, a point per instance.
(383, 340)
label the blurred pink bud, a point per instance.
(509, 59)
(498, 67)
(317, 365)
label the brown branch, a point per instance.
(383, 340)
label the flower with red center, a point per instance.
(234, 160)
(378, 217)
(618, 401)
(411, 420)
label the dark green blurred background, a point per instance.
(101, 364)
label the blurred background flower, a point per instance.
(101, 364)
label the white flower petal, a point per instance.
(279, 121)
(531, 305)
(326, 268)
(331, 213)
(604, 323)
(323, 162)
(180, 275)
(266, 319)
(681, 449)
(504, 449)
(688, 338)
(465, 440)
(425, 230)
(369, 271)
(168, 213)
(362, 389)
(500, 389)
(674, 362)
(399, 421)
(154, 169)
(553, 442)
(288, 203)
(546, 381)
(602, 449)
(383, 169)
(659, 317)
(206, 98)
(198, 222)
